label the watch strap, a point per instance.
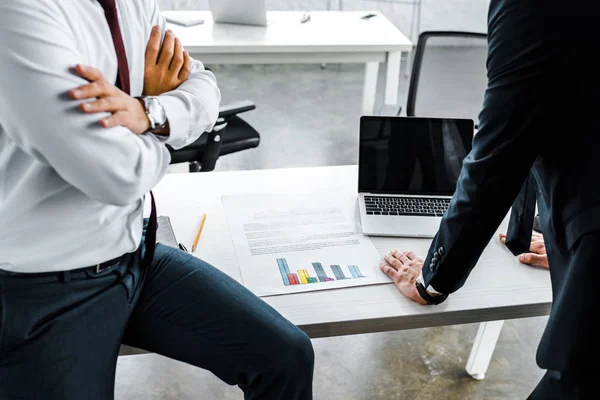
(154, 124)
(428, 297)
(142, 99)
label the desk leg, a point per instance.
(483, 348)
(370, 88)
(392, 78)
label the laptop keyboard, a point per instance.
(416, 206)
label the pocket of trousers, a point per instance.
(132, 278)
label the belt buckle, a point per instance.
(100, 269)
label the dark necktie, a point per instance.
(123, 83)
(520, 226)
(112, 17)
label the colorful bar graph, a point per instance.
(293, 278)
(338, 273)
(320, 272)
(303, 276)
(284, 270)
(355, 271)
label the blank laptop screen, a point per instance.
(407, 155)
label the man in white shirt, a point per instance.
(88, 99)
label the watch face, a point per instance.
(156, 111)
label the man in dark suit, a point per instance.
(540, 114)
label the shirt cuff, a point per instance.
(178, 117)
(429, 288)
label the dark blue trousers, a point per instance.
(60, 333)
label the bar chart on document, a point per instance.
(302, 276)
(290, 244)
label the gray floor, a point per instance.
(421, 364)
(308, 116)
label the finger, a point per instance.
(105, 104)
(538, 248)
(534, 259)
(186, 69)
(389, 271)
(393, 261)
(400, 255)
(537, 235)
(412, 256)
(117, 119)
(89, 73)
(396, 276)
(537, 238)
(178, 58)
(166, 51)
(153, 47)
(91, 90)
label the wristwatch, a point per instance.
(429, 294)
(155, 112)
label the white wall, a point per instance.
(465, 15)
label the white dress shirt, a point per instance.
(71, 192)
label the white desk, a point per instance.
(499, 288)
(329, 37)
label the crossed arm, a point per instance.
(167, 66)
(112, 161)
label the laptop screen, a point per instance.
(407, 155)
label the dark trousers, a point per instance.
(557, 385)
(569, 348)
(60, 333)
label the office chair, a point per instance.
(449, 76)
(230, 135)
(461, 75)
(463, 80)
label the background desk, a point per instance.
(329, 37)
(499, 288)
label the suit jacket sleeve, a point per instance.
(523, 62)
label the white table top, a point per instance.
(327, 31)
(499, 288)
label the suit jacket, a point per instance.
(541, 113)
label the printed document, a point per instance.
(290, 244)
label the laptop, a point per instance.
(407, 172)
(244, 12)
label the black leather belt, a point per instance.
(98, 268)
(85, 271)
(149, 242)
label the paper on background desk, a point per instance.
(300, 243)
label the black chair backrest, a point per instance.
(449, 75)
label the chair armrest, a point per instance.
(231, 109)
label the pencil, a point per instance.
(199, 232)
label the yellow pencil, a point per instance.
(199, 232)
